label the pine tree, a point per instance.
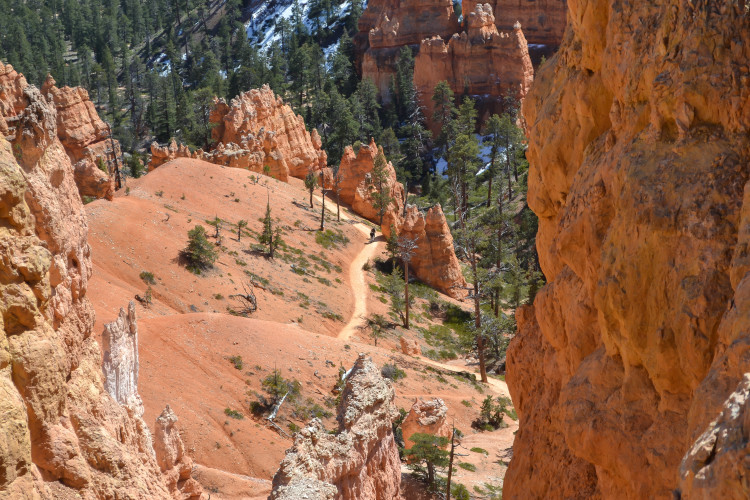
(271, 236)
(378, 180)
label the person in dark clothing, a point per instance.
(372, 235)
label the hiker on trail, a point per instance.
(372, 235)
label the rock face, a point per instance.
(481, 62)
(641, 334)
(360, 461)
(259, 121)
(120, 365)
(434, 261)
(428, 417)
(175, 465)
(82, 133)
(356, 187)
(543, 21)
(410, 347)
(85, 138)
(388, 25)
(62, 433)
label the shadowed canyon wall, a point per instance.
(638, 149)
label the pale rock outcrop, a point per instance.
(434, 261)
(258, 120)
(428, 417)
(480, 61)
(356, 187)
(360, 461)
(85, 138)
(120, 359)
(175, 465)
(62, 434)
(543, 21)
(410, 347)
(638, 148)
(716, 465)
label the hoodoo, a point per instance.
(638, 146)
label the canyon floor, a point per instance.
(311, 305)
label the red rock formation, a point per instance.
(79, 127)
(387, 26)
(434, 262)
(543, 21)
(85, 138)
(254, 155)
(175, 465)
(410, 347)
(638, 146)
(356, 187)
(359, 462)
(259, 121)
(482, 63)
(63, 435)
(428, 417)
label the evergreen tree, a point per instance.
(378, 180)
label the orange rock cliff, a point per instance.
(63, 433)
(639, 151)
(480, 62)
(84, 136)
(543, 21)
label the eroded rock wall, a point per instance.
(259, 121)
(434, 261)
(385, 27)
(360, 461)
(426, 416)
(481, 62)
(356, 186)
(638, 150)
(62, 434)
(543, 21)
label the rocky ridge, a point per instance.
(480, 61)
(360, 460)
(632, 348)
(434, 261)
(65, 434)
(426, 416)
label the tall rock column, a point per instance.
(639, 152)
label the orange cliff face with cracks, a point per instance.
(543, 21)
(638, 149)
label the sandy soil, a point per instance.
(186, 337)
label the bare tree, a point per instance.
(323, 195)
(241, 224)
(248, 304)
(406, 248)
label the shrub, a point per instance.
(392, 372)
(491, 414)
(236, 361)
(148, 277)
(331, 239)
(233, 414)
(467, 466)
(199, 252)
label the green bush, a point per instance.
(392, 372)
(236, 361)
(233, 414)
(331, 239)
(148, 277)
(199, 253)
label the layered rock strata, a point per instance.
(356, 185)
(641, 334)
(426, 416)
(543, 21)
(259, 121)
(360, 460)
(85, 138)
(82, 133)
(481, 62)
(385, 27)
(434, 261)
(61, 430)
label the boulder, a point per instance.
(426, 416)
(410, 347)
